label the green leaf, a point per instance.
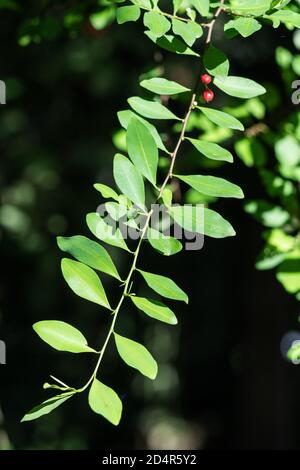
(171, 43)
(212, 150)
(288, 273)
(188, 31)
(212, 186)
(129, 179)
(204, 221)
(164, 286)
(46, 407)
(286, 16)
(104, 401)
(167, 196)
(143, 3)
(128, 13)
(157, 23)
(164, 244)
(84, 282)
(239, 87)
(88, 252)
(105, 232)
(142, 149)
(250, 7)
(126, 116)
(62, 336)
(155, 310)
(115, 210)
(151, 109)
(267, 214)
(161, 86)
(137, 356)
(244, 26)
(216, 62)
(106, 191)
(222, 119)
(202, 6)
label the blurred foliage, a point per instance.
(68, 70)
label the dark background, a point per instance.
(223, 383)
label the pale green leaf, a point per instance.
(286, 16)
(161, 86)
(288, 273)
(222, 119)
(164, 244)
(244, 26)
(84, 282)
(164, 286)
(212, 150)
(142, 149)
(104, 401)
(137, 356)
(129, 180)
(62, 336)
(106, 191)
(212, 186)
(151, 109)
(202, 220)
(250, 7)
(155, 310)
(202, 6)
(46, 407)
(157, 23)
(239, 87)
(128, 13)
(188, 31)
(105, 232)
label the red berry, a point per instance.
(206, 79)
(208, 95)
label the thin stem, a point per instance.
(168, 177)
(169, 15)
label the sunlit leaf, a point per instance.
(84, 282)
(164, 286)
(62, 336)
(137, 356)
(155, 309)
(104, 401)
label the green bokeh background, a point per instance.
(223, 382)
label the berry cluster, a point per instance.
(208, 95)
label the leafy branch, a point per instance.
(143, 144)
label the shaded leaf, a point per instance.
(171, 43)
(216, 62)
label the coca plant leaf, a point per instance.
(142, 149)
(155, 309)
(84, 282)
(104, 401)
(164, 286)
(89, 252)
(62, 336)
(137, 356)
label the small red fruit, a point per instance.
(206, 79)
(208, 95)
